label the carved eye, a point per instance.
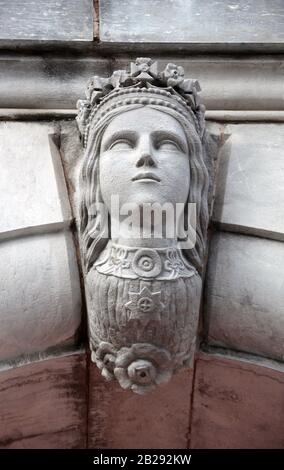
(121, 144)
(168, 146)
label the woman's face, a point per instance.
(144, 158)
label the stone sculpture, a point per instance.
(144, 134)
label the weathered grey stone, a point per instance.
(120, 420)
(57, 83)
(244, 116)
(233, 84)
(24, 114)
(32, 185)
(250, 183)
(237, 404)
(57, 20)
(166, 21)
(71, 152)
(43, 406)
(244, 306)
(49, 82)
(145, 140)
(40, 302)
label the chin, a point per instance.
(148, 194)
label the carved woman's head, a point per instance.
(144, 142)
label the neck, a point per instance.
(145, 242)
(132, 238)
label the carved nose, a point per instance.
(146, 160)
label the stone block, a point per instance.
(40, 301)
(33, 189)
(120, 419)
(47, 20)
(42, 404)
(244, 295)
(250, 184)
(57, 83)
(165, 21)
(237, 404)
(51, 82)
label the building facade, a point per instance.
(52, 395)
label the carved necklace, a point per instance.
(147, 263)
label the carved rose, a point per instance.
(142, 367)
(105, 357)
(173, 75)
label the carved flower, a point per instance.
(143, 70)
(142, 64)
(190, 89)
(120, 77)
(173, 75)
(190, 86)
(142, 367)
(97, 83)
(119, 258)
(105, 357)
(173, 262)
(147, 263)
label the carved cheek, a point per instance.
(110, 163)
(175, 164)
(115, 173)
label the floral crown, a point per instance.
(143, 84)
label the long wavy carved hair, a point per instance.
(94, 225)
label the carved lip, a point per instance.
(146, 176)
